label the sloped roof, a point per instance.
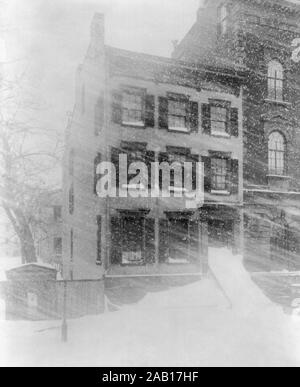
(220, 66)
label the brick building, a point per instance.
(151, 109)
(258, 35)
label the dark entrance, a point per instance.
(220, 232)
(179, 239)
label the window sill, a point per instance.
(177, 190)
(278, 102)
(173, 262)
(180, 130)
(222, 135)
(223, 193)
(283, 177)
(134, 124)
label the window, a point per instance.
(277, 154)
(219, 174)
(275, 81)
(57, 213)
(132, 109)
(58, 246)
(218, 120)
(178, 115)
(71, 200)
(223, 19)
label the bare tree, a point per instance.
(29, 154)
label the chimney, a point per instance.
(96, 48)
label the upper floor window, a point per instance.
(219, 174)
(218, 120)
(222, 19)
(178, 115)
(177, 112)
(57, 213)
(275, 81)
(133, 106)
(277, 154)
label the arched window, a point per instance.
(275, 81)
(277, 154)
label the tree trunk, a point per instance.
(27, 246)
(24, 233)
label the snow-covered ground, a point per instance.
(194, 325)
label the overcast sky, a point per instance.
(51, 38)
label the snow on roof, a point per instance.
(37, 264)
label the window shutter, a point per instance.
(117, 107)
(234, 177)
(150, 158)
(97, 161)
(206, 120)
(163, 113)
(234, 122)
(163, 158)
(71, 200)
(164, 242)
(149, 111)
(150, 240)
(116, 240)
(114, 158)
(194, 159)
(207, 173)
(194, 116)
(99, 233)
(285, 87)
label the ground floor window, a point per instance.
(134, 240)
(57, 247)
(219, 174)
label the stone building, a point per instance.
(259, 35)
(151, 109)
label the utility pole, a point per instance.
(64, 327)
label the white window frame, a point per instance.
(138, 94)
(216, 132)
(215, 187)
(184, 128)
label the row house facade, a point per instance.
(151, 109)
(260, 36)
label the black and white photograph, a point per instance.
(150, 186)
